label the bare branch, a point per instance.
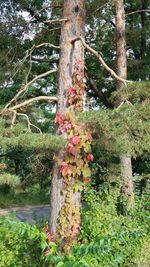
(34, 126)
(20, 64)
(94, 52)
(29, 53)
(25, 87)
(29, 101)
(125, 101)
(42, 9)
(27, 118)
(13, 119)
(100, 7)
(54, 21)
(29, 71)
(47, 44)
(138, 11)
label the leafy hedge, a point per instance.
(20, 244)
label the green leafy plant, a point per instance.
(20, 244)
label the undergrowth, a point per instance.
(107, 239)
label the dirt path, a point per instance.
(29, 213)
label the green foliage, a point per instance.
(20, 137)
(9, 179)
(124, 130)
(142, 258)
(135, 92)
(20, 244)
(107, 239)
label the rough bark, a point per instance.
(121, 42)
(125, 160)
(70, 52)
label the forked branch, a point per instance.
(29, 101)
(25, 87)
(111, 71)
(94, 52)
(27, 118)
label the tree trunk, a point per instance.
(125, 160)
(71, 52)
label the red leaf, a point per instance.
(72, 91)
(75, 229)
(59, 118)
(65, 127)
(90, 157)
(65, 169)
(90, 138)
(72, 150)
(75, 140)
(87, 180)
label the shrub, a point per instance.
(21, 244)
(106, 239)
(8, 181)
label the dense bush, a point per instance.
(107, 239)
(20, 244)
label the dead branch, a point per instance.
(138, 11)
(99, 8)
(19, 65)
(28, 102)
(47, 44)
(27, 118)
(25, 87)
(94, 52)
(55, 21)
(34, 126)
(29, 53)
(13, 119)
(125, 101)
(42, 9)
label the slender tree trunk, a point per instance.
(125, 160)
(71, 52)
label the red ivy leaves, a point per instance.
(59, 118)
(90, 157)
(87, 180)
(71, 149)
(65, 169)
(75, 140)
(64, 124)
(72, 91)
(75, 166)
(90, 138)
(65, 127)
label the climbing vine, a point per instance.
(74, 168)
